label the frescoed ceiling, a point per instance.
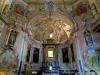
(43, 28)
(45, 17)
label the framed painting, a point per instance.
(50, 53)
(36, 55)
(65, 55)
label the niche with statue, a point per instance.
(12, 38)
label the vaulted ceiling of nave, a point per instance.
(46, 17)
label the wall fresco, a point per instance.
(8, 59)
(5, 5)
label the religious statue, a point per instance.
(12, 38)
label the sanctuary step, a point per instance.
(53, 72)
(50, 73)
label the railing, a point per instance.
(46, 66)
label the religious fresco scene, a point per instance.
(49, 37)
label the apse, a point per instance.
(42, 28)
